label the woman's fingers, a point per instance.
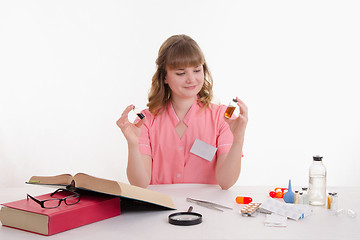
(140, 123)
(238, 124)
(243, 108)
(127, 110)
(123, 120)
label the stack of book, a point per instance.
(100, 199)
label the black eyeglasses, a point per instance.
(55, 202)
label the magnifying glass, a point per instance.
(185, 218)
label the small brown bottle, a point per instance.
(230, 109)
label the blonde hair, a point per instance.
(177, 51)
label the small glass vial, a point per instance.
(334, 204)
(296, 197)
(138, 113)
(329, 200)
(301, 198)
(305, 195)
(317, 182)
(230, 109)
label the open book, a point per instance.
(83, 181)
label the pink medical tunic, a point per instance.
(172, 161)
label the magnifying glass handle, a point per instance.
(190, 209)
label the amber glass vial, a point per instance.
(231, 108)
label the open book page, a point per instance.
(62, 180)
(85, 181)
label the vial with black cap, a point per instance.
(138, 113)
(231, 108)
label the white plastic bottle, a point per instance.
(317, 182)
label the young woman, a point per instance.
(184, 138)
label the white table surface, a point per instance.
(322, 224)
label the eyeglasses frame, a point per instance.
(41, 202)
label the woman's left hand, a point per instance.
(238, 125)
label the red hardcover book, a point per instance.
(29, 216)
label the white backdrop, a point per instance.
(69, 68)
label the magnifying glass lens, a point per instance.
(185, 217)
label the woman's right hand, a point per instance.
(131, 131)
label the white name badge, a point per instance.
(203, 150)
